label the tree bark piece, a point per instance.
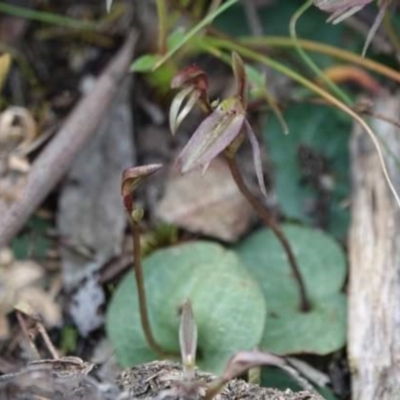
(374, 289)
(58, 155)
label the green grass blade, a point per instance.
(195, 30)
(48, 18)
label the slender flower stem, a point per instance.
(391, 32)
(144, 317)
(271, 223)
(292, 28)
(162, 27)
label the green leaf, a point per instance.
(323, 267)
(320, 132)
(46, 17)
(176, 36)
(145, 63)
(228, 305)
(321, 331)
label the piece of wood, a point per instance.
(56, 158)
(374, 244)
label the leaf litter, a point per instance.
(21, 285)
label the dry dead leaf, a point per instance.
(20, 287)
(210, 204)
(34, 301)
(17, 132)
(17, 129)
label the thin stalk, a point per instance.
(310, 63)
(144, 317)
(246, 52)
(391, 33)
(32, 347)
(287, 42)
(270, 222)
(45, 17)
(162, 27)
(50, 347)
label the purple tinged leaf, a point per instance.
(256, 157)
(340, 15)
(212, 136)
(245, 360)
(342, 9)
(239, 364)
(188, 340)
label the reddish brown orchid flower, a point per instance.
(225, 125)
(194, 84)
(131, 179)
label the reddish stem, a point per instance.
(143, 310)
(272, 224)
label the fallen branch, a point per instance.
(54, 161)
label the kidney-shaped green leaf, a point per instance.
(228, 305)
(320, 331)
(323, 268)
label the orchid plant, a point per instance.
(223, 131)
(225, 127)
(131, 179)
